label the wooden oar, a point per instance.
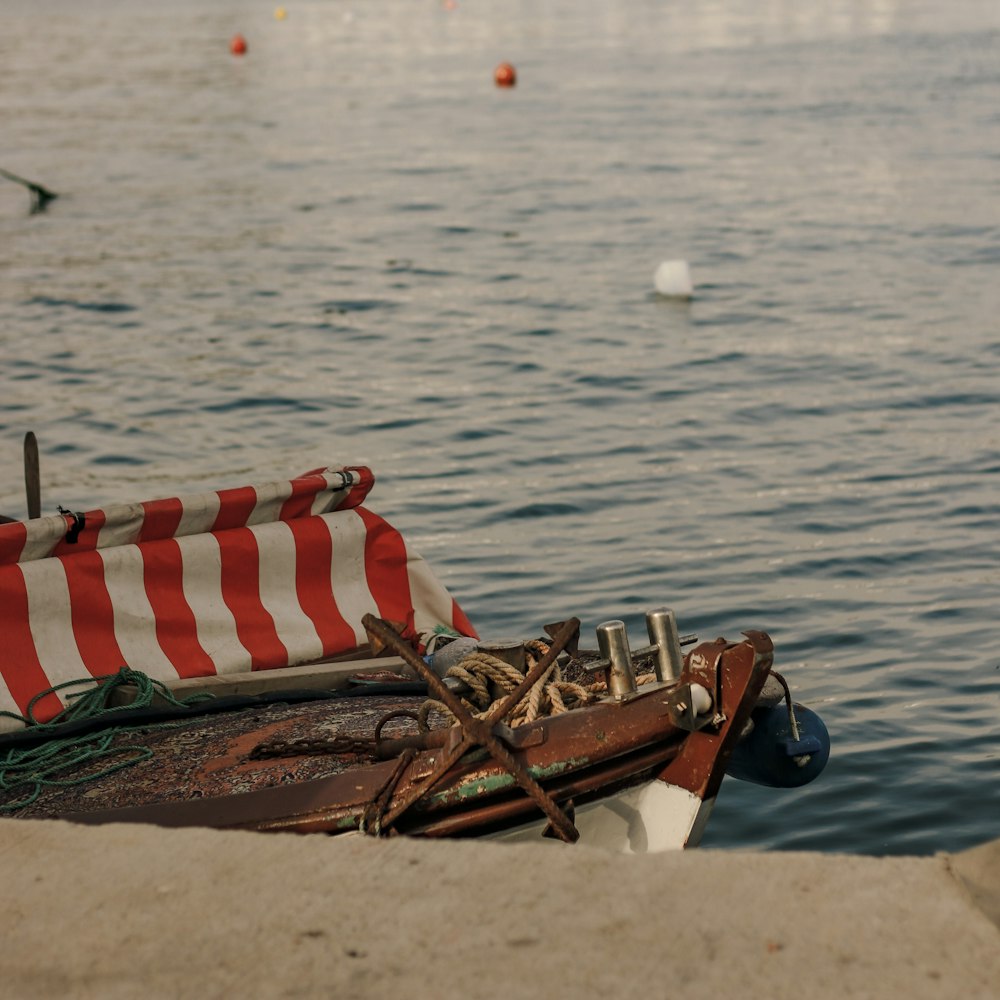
(32, 479)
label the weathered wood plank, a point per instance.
(330, 675)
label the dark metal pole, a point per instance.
(40, 196)
(32, 478)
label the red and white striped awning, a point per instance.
(236, 580)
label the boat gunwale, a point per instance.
(550, 749)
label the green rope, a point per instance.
(37, 767)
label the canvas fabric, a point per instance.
(236, 580)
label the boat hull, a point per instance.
(646, 819)
(629, 778)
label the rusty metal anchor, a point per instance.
(484, 732)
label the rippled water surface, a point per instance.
(348, 246)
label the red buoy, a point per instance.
(238, 45)
(505, 75)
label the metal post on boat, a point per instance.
(612, 641)
(509, 650)
(661, 624)
(512, 652)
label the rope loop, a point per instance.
(31, 770)
(489, 680)
(95, 700)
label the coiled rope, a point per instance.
(30, 770)
(490, 679)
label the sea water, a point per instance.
(348, 246)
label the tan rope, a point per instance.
(601, 688)
(550, 695)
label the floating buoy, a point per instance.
(449, 5)
(771, 755)
(237, 45)
(673, 279)
(280, 13)
(505, 75)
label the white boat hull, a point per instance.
(646, 819)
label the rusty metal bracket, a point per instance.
(573, 645)
(681, 706)
(372, 817)
(520, 738)
(515, 739)
(479, 732)
(703, 667)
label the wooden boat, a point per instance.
(350, 692)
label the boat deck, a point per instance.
(209, 755)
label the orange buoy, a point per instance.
(505, 75)
(237, 45)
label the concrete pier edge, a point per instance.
(136, 911)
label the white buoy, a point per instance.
(673, 279)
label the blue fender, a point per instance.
(770, 756)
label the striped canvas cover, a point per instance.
(236, 580)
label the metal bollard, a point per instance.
(509, 650)
(661, 624)
(613, 644)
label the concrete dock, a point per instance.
(135, 911)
